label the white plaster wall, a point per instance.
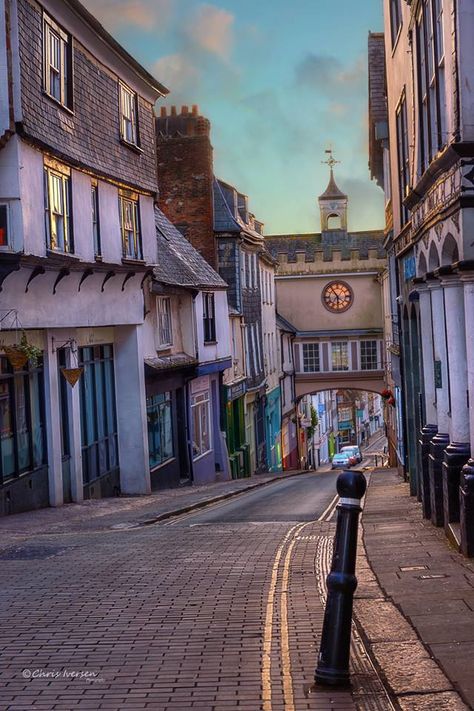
(220, 349)
(181, 308)
(110, 236)
(4, 89)
(40, 308)
(465, 30)
(82, 215)
(31, 175)
(148, 229)
(10, 192)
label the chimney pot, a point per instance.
(163, 112)
(173, 111)
(195, 110)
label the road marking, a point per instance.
(284, 636)
(329, 509)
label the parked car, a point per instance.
(353, 451)
(341, 460)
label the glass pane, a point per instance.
(6, 430)
(23, 434)
(37, 433)
(167, 430)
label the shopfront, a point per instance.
(234, 426)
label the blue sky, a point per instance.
(279, 81)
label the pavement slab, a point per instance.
(431, 584)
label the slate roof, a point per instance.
(226, 215)
(178, 263)
(325, 242)
(332, 191)
(284, 325)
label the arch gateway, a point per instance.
(329, 289)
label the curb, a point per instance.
(423, 698)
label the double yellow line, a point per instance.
(268, 628)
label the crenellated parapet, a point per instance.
(306, 254)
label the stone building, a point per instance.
(429, 166)
(77, 243)
(328, 288)
(186, 347)
(215, 218)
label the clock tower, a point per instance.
(333, 202)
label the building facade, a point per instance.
(77, 190)
(428, 55)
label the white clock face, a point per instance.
(337, 296)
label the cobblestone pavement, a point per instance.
(164, 617)
(423, 577)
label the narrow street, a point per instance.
(215, 609)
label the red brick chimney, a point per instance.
(185, 176)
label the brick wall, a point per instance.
(90, 137)
(185, 174)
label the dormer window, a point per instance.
(128, 115)
(57, 61)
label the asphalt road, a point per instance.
(300, 498)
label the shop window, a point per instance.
(22, 434)
(98, 414)
(201, 419)
(160, 428)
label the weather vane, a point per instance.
(331, 161)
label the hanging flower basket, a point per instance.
(16, 357)
(386, 394)
(72, 375)
(391, 401)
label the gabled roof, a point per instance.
(226, 214)
(178, 263)
(332, 191)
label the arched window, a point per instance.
(334, 222)
(433, 258)
(450, 252)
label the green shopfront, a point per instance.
(234, 426)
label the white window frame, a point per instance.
(365, 341)
(60, 66)
(316, 349)
(57, 205)
(7, 244)
(95, 219)
(243, 269)
(164, 322)
(129, 214)
(128, 106)
(201, 400)
(347, 345)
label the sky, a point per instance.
(280, 82)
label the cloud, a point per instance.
(144, 14)
(176, 71)
(330, 77)
(211, 29)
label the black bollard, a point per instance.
(334, 652)
(466, 500)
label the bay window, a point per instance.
(340, 355)
(164, 323)
(57, 63)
